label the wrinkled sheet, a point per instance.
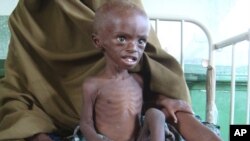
(50, 54)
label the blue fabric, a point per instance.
(54, 137)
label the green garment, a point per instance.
(50, 54)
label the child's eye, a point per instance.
(121, 39)
(142, 42)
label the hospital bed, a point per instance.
(209, 64)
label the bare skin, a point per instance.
(116, 103)
(112, 100)
(39, 137)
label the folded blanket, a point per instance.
(50, 54)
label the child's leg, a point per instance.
(153, 126)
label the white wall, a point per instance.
(7, 6)
(223, 18)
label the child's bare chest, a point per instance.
(123, 95)
(126, 87)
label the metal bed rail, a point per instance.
(232, 42)
(211, 109)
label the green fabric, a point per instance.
(50, 54)
(1, 68)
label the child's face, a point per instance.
(124, 39)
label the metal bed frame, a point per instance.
(211, 109)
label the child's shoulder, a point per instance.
(93, 80)
(138, 78)
(90, 85)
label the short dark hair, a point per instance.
(115, 7)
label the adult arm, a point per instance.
(192, 130)
(171, 106)
(180, 114)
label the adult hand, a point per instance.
(40, 137)
(171, 106)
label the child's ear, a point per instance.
(96, 40)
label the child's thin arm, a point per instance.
(87, 120)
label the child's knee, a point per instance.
(154, 113)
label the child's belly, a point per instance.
(118, 117)
(123, 128)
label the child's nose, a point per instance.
(132, 47)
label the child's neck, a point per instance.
(116, 73)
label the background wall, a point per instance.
(223, 19)
(6, 7)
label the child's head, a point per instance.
(121, 30)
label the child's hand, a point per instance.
(104, 138)
(40, 137)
